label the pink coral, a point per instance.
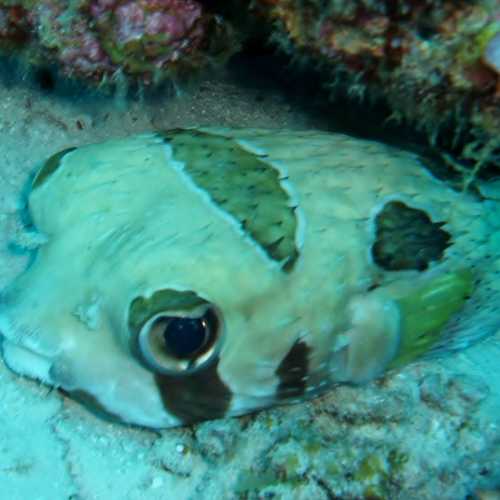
(15, 25)
(149, 40)
(146, 35)
(85, 56)
(133, 19)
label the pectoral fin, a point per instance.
(425, 312)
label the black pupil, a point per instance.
(185, 336)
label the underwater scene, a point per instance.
(249, 249)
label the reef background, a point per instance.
(429, 431)
(434, 64)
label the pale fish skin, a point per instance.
(209, 272)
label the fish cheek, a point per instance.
(63, 379)
(93, 405)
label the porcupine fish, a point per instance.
(193, 274)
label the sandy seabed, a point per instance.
(429, 431)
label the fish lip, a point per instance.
(18, 351)
(24, 361)
(18, 355)
(21, 333)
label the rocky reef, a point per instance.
(98, 40)
(436, 64)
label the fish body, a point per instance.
(192, 274)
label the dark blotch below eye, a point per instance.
(197, 396)
(406, 238)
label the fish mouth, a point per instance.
(19, 348)
(25, 361)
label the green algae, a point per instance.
(379, 471)
(472, 52)
(249, 480)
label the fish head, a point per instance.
(149, 301)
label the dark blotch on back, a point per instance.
(243, 184)
(292, 371)
(406, 238)
(199, 396)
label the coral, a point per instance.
(435, 63)
(15, 26)
(148, 40)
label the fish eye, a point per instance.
(183, 337)
(175, 343)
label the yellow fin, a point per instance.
(425, 311)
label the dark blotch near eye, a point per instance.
(292, 371)
(406, 238)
